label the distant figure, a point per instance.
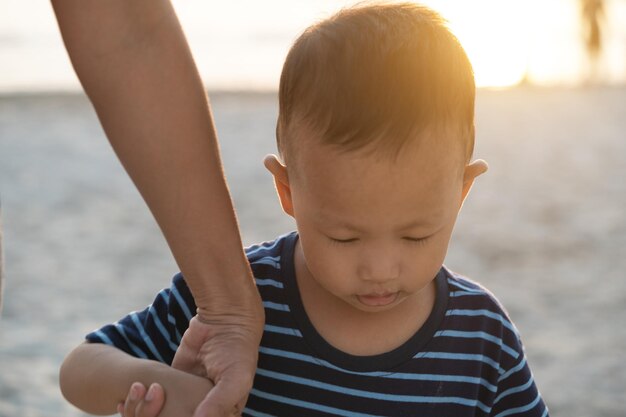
(592, 11)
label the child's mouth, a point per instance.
(377, 300)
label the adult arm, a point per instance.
(136, 67)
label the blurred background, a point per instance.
(545, 229)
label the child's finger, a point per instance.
(135, 396)
(152, 403)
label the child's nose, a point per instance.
(379, 269)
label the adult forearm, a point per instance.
(135, 65)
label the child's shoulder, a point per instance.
(269, 251)
(462, 286)
(470, 299)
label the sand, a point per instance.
(545, 230)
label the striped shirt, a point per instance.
(466, 360)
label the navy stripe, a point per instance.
(479, 335)
(166, 337)
(513, 370)
(140, 353)
(270, 282)
(181, 302)
(145, 337)
(275, 306)
(520, 410)
(514, 390)
(371, 394)
(254, 413)
(487, 313)
(308, 405)
(268, 260)
(462, 357)
(282, 330)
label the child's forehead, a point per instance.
(359, 193)
(432, 151)
(369, 178)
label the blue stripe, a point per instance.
(313, 360)
(171, 320)
(519, 410)
(514, 390)
(282, 330)
(306, 404)
(255, 413)
(163, 330)
(545, 412)
(104, 337)
(462, 293)
(145, 337)
(140, 353)
(288, 355)
(269, 282)
(435, 355)
(257, 248)
(461, 356)
(487, 313)
(181, 303)
(479, 335)
(268, 260)
(371, 394)
(275, 306)
(443, 378)
(465, 287)
(513, 370)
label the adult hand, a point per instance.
(223, 348)
(203, 346)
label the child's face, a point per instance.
(374, 231)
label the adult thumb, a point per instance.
(226, 398)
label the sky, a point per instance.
(241, 44)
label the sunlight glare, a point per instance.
(494, 35)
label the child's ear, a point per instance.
(471, 172)
(281, 181)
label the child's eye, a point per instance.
(415, 239)
(342, 241)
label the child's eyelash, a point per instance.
(416, 240)
(342, 241)
(413, 240)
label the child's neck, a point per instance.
(357, 332)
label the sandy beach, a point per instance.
(545, 230)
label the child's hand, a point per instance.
(141, 402)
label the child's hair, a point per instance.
(376, 74)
